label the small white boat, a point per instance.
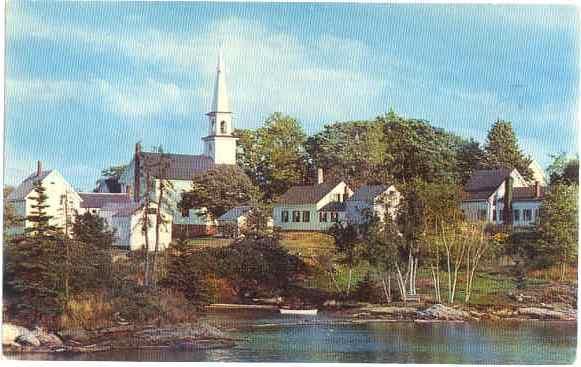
(286, 311)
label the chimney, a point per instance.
(508, 189)
(38, 168)
(320, 178)
(537, 189)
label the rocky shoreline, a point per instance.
(201, 335)
(176, 337)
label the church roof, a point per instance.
(179, 166)
(310, 194)
(26, 186)
(220, 102)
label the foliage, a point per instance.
(11, 219)
(274, 156)
(558, 226)
(257, 264)
(114, 171)
(348, 245)
(218, 190)
(352, 151)
(502, 151)
(564, 170)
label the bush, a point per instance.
(88, 312)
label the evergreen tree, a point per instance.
(502, 151)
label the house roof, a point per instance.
(476, 195)
(527, 193)
(235, 212)
(26, 186)
(99, 200)
(368, 192)
(333, 206)
(486, 180)
(179, 167)
(309, 194)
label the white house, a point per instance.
(372, 200)
(179, 169)
(312, 207)
(236, 218)
(538, 173)
(62, 200)
(128, 224)
(485, 197)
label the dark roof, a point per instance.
(26, 186)
(475, 195)
(527, 193)
(180, 167)
(99, 200)
(486, 181)
(333, 206)
(368, 192)
(310, 194)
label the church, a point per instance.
(179, 169)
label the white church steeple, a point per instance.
(220, 145)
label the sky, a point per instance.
(86, 81)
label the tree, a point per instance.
(352, 151)
(11, 219)
(218, 190)
(114, 171)
(557, 225)
(502, 151)
(347, 242)
(564, 170)
(274, 156)
(34, 262)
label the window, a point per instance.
(494, 215)
(296, 216)
(482, 214)
(213, 126)
(527, 215)
(322, 217)
(284, 216)
(516, 215)
(306, 216)
(501, 215)
(338, 197)
(536, 214)
(223, 127)
(185, 213)
(334, 217)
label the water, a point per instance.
(327, 339)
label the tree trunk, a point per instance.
(158, 223)
(349, 281)
(401, 283)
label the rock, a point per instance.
(441, 312)
(392, 311)
(11, 332)
(330, 303)
(78, 335)
(47, 339)
(28, 339)
(503, 313)
(545, 314)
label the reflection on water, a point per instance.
(299, 340)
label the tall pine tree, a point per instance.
(502, 151)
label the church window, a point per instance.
(306, 216)
(284, 216)
(223, 127)
(296, 216)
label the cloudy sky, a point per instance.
(85, 81)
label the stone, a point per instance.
(10, 332)
(28, 339)
(46, 338)
(399, 311)
(441, 312)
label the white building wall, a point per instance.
(129, 235)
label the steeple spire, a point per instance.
(221, 102)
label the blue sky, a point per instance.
(85, 81)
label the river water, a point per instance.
(270, 337)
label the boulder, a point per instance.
(441, 312)
(46, 338)
(11, 332)
(28, 339)
(392, 311)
